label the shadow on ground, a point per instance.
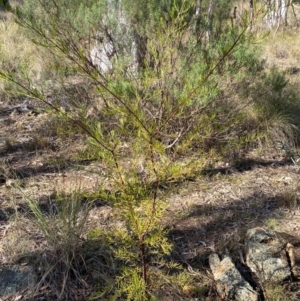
(24, 171)
(220, 228)
(196, 231)
(243, 165)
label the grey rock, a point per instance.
(266, 255)
(229, 282)
(14, 279)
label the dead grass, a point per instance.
(277, 292)
(17, 51)
(289, 199)
(282, 50)
(19, 55)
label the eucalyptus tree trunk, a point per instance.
(113, 39)
(277, 12)
(209, 20)
(198, 8)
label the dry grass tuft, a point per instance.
(289, 199)
(281, 49)
(277, 292)
(17, 51)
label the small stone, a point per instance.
(229, 282)
(266, 255)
